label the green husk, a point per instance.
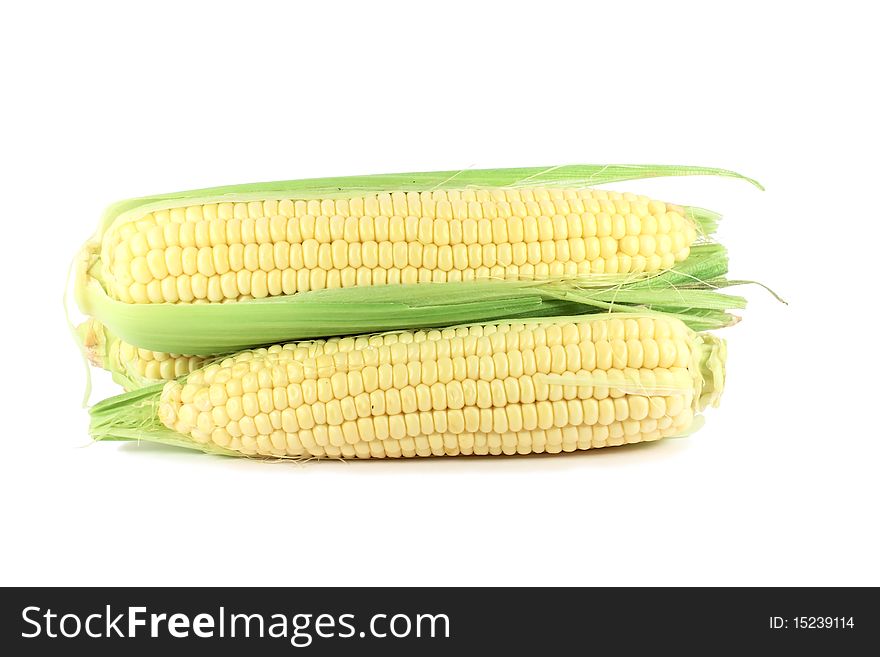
(706, 220)
(553, 176)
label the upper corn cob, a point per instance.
(317, 249)
(529, 386)
(232, 251)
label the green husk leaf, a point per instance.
(707, 220)
(556, 176)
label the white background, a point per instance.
(103, 101)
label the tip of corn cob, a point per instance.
(93, 341)
(84, 273)
(133, 416)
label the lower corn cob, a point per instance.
(518, 387)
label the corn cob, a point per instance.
(233, 251)
(502, 388)
(132, 367)
(329, 237)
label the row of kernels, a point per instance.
(165, 370)
(478, 358)
(524, 417)
(356, 396)
(398, 365)
(156, 365)
(553, 440)
(227, 287)
(483, 340)
(439, 231)
(480, 340)
(242, 285)
(129, 352)
(174, 261)
(503, 335)
(409, 203)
